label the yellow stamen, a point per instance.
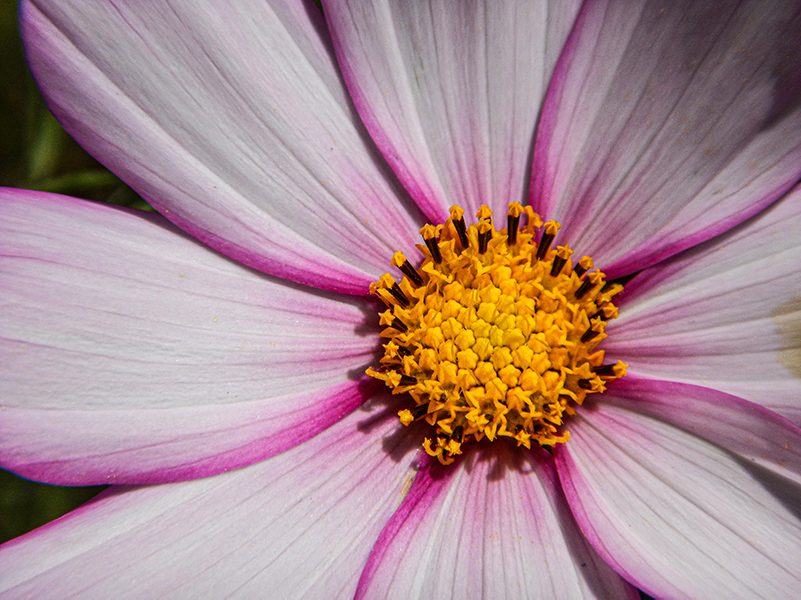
(494, 335)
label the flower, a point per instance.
(252, 455)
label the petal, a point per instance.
(130, 353)
(725, 315)
(668, 124)
(232, 121)
(450, 93)
(688, 492)
(495, 525)
(297, 525)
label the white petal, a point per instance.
(131, 353)
(687, 509)
(299, 525)
(232, 120)
(726, 315)
(667, 123)
(450, 92)
(494, 525)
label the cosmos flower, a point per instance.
(210, 362)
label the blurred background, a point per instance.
(36, 153)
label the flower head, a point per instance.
(219, 377)
(495, 335)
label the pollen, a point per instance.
(495, 333)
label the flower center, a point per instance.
(495, 334)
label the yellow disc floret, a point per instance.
(495, 334)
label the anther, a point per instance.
(584, 288)
(457, 218)
(585, 384)
(595, 329)
(400, 261)
(484, 213)
(399, 325)
(562, 254)
(551, 228)
(433, 247)
(606, 312)
(398, 294)
(430, 235)
(458, 433)
(583, 265)
(610, 370)
(609, 291)
(593, 279)
(483, 239)
(589, 334)
(406, 380)
(420, 410)
(383, 299)
(484, 227)
(377, 287)
(598, 314)
(513, 222)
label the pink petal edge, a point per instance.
(703, 422)
(579, 189)
(271, 170)
(140, 356)
(475, 525)
(299, 524)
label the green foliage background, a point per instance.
(36, 153)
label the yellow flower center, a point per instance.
(495, 334)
